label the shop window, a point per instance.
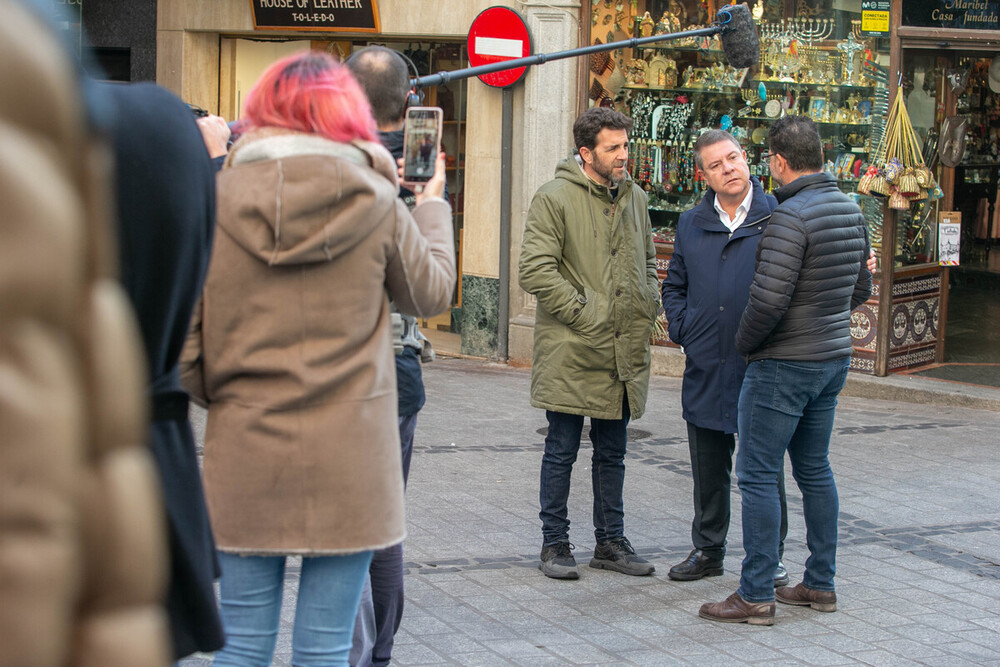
(976, 177)
(814, 61)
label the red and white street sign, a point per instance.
(498, 34)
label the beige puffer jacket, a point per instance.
(82, 554)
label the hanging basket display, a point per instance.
(924, 177)
(865, 184)
(898, 201)
(908, 185)
(880, 186)
(899, 169)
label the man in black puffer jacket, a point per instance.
(795, 333)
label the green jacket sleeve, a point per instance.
(541, 255)
(652, 278)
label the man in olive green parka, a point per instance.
(588, 257)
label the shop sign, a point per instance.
(496, 35)
(960, 14)
(875, 18)
(949, 237)
(328, 15)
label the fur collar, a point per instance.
(275, 144)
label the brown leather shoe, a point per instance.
(734, 609)
(802, 596)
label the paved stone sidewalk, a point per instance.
(918, 565)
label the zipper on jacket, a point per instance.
(755, 222)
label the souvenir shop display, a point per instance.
(898, 170)
(816, 65)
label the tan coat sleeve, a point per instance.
(190, 363)
(420, 277)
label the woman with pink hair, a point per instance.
(291, 352)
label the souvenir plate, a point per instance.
(772, 108)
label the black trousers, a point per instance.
(712, 468)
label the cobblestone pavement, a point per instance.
(918, 576)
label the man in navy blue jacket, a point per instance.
(705, 292)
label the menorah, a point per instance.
(775, 31)
(801, 29)
(810, 30)
(856, 29)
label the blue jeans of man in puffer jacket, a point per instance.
(787, 405)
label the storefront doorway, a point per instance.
(954, 103)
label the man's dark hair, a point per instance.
(385, 79)
(710, 138)
(592, 121)
(796, 139)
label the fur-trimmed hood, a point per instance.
(282, 218)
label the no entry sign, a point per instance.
(498, 34)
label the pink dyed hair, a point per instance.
(311, 92)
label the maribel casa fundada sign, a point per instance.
(328, 15)
(961, 14)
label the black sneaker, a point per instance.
(558, 562)
(617, 554)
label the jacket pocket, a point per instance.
(653, 304)
(686, 326)
(593, 319)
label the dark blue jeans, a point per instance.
(562, 443)
(788, 405)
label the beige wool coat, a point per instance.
(291, 346)
(82, 534)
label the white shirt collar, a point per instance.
(741, 211)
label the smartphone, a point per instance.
(421, 143)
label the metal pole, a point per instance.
(506, 146)
(539, 58)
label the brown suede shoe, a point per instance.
(734, 609)
(802, 596)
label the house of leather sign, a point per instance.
(327, 15)
(960, 14)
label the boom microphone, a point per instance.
(739, 36)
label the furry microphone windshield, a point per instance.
(739, 36)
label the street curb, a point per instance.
(669, 362)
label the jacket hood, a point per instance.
(571, 169)
(291, 198)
